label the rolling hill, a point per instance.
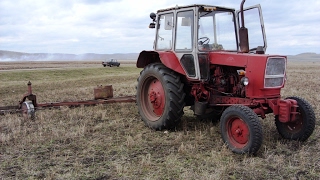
(21, 56)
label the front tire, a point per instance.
(302, 128)
(160, 96)
(241, 129)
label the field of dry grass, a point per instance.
(111, 142)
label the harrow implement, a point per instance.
(28, 104)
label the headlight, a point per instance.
(245, 81)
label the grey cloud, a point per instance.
(100, 26)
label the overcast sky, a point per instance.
(121, 26)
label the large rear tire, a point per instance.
(302, 128)
(160, 96)
(241, 129)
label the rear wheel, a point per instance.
(160, 96)
(304, 124)
(241, 129)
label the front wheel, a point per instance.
(160, 96)
(304, 124)
(241, 129)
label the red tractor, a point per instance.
(202, 59)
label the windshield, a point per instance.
(217, 31)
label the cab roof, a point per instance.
(195, 5)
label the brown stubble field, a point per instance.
(111, 142)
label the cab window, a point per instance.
(184, 33)
(165, 29)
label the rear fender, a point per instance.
(168, 58)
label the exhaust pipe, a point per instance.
(243, 32)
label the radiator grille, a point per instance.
(275, 72)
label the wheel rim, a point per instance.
(238, 132)
(153, 98)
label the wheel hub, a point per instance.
(157, 97)
(238, 132)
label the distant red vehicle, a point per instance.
(110, 63)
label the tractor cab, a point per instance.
(192, 32)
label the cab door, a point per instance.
(253, 21)
(184, 44)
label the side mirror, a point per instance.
(152, 25)
(153, 17)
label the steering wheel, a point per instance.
(206, 40)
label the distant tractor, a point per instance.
(202, 59)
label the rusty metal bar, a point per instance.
(9, 109)
(89, 102)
